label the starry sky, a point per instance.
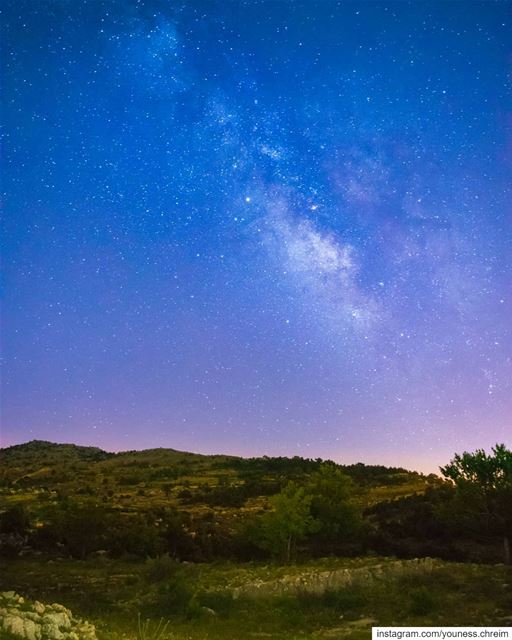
(258, 227)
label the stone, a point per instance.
(32, 630)
(14, 625)
(363, 622)
(39, 607)
(59, 608)
(60, 620)
(41, 622)
(32, 615)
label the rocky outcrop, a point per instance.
(321, 581)
(37, 621)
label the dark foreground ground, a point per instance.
(328, 598)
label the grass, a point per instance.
(149, 630)
(121, 598)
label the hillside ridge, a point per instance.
(36, 445)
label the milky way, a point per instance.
(248, 227)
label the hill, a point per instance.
(177, 536)
(160, 477)
(200, 506)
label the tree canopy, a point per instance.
(484, 490)
(289, 521)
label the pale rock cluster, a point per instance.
(37, 621)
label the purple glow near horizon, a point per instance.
(279, 228)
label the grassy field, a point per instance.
(198, 600)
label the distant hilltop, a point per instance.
(43, 458)
(37, 448)
(85, 452)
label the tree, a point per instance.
(332, 504)
(289, 521)
(484, 488)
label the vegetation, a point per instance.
(71, 501)
(112, 593)
(189, 541)
(191, 507)
(289, 522)
(484, 491)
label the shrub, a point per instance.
(422, 601)
(161, 568)
(173, 596)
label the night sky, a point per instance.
(278, 227)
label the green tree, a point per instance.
(484, 490)
(289, 521)
(332, 504)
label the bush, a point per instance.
(422, 601)
(173, 596)
(161, 568)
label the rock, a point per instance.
(39, 607)
(363, 622)
(32, 615)
(60, 620)
(14, 624)
(41, 622)
(59, 607)
(321, 581)
(21, 627)
(32, 630)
